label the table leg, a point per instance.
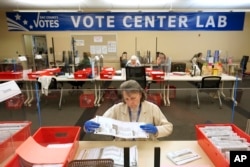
(233, 95)
(61, 96)
(31, 94)
(96, 93)
(168, 101)
(232, 92)
(27, 93)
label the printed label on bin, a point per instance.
(8, 90)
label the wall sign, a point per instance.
(169, 21)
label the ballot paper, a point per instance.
(112, 127)
(110, 152)
(183, 156)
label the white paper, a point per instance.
(8, 90)
(183, 156)
(120, 129)
(110, 152)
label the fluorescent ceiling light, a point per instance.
(220, 2)
(42, 11)
(140, 3)
(50, 2)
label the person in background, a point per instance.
(161, 62)
(135, 108)
(198, 60)
(161, 59)
(123, 59)
(133, 61)
(85, 63)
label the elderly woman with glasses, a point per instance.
(135, 108)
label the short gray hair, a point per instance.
(132, 86)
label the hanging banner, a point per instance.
(169, 21)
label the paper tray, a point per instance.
(210, 149)
(34, 150)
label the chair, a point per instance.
(209, 84)
(92, 163)
(243, 66)
(137, 73)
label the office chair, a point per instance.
(92, 163)
(243, 66)
(209, 84)
(139, 74)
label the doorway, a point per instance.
(36, 51)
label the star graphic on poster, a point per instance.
(31, 26)
(25, 22)
(18, 17)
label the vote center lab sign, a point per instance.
(150, 21)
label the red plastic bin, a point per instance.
(53, 71)
(155, 98)
(10, 144)
(37, 74)
(82, 74)
(15, 102)
(87, 100)
(54, 135)
(157, 75)
(210, 149)
(11, 75)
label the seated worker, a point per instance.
(85, 63)
(161, 61)
(198, 60)
(133, 61)
(135, 108)
(123, 60)
(197, 63)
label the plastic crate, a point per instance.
(155, 98)
(210, 149)
(87, 100)
(15, 102)
(92, 163)
(107, 73)
(53, 71)
(37, 74)
(82, 74)
(11, 75)
(16, 133)
(157, 75)
(53, 135)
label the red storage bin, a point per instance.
(53, 135)
(82, 74)
(37, 74)
(16, 132)
(210, 149)
(53, 71)
(11, 75)
(15, 102)
(107, 73)
(157, 75)
(155, 98)
(87, 100)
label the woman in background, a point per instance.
(133, 62)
